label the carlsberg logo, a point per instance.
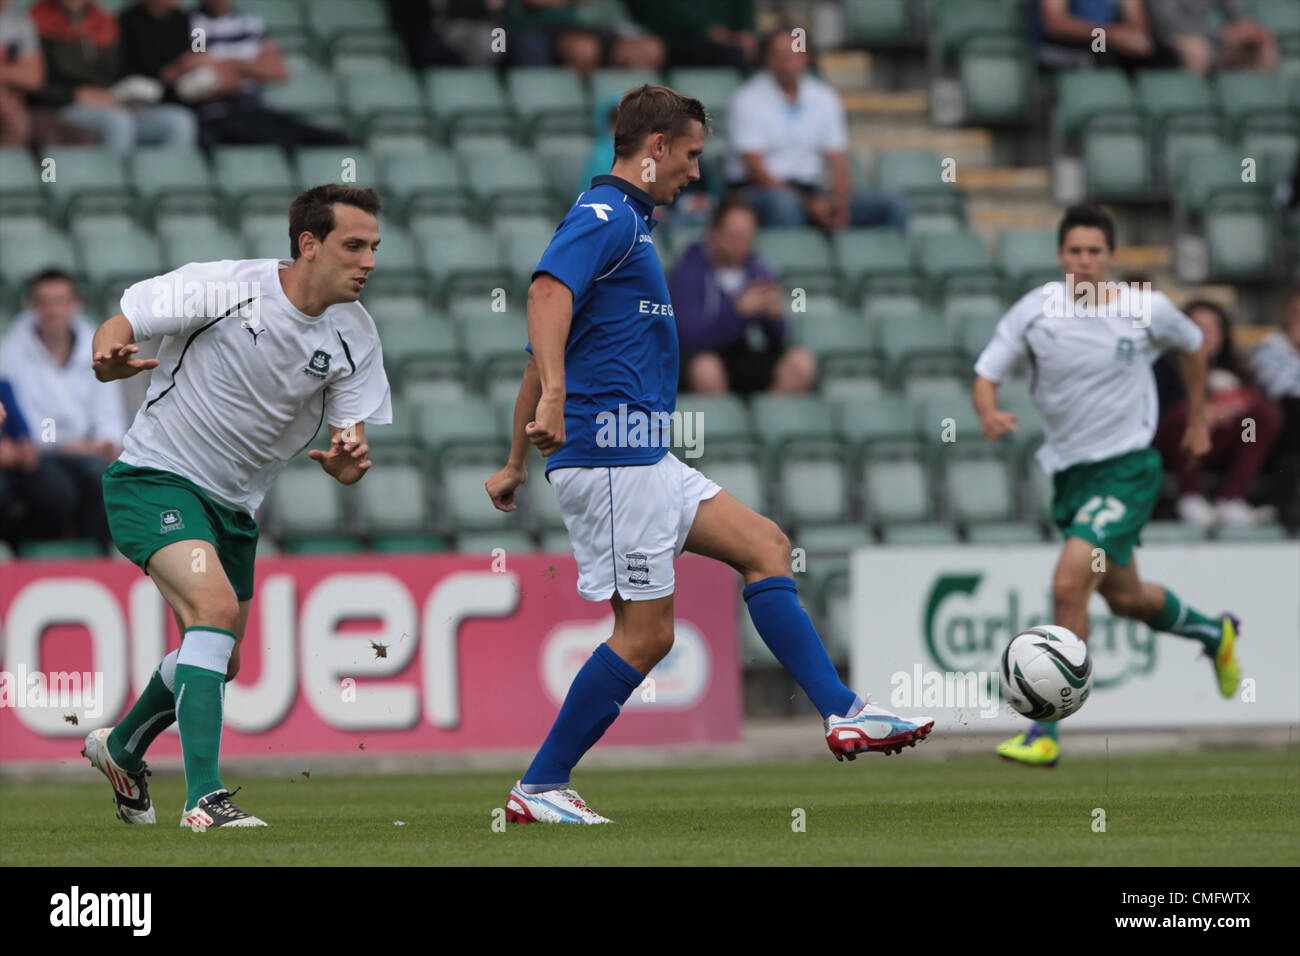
(967, 623)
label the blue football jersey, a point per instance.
(620, 362)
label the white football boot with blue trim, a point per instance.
(874, 729)
(550, 806)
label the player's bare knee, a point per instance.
(1067, 594)
(222, 612)
(1125, 603)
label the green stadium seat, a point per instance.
(718, 421)
(923, 340)
(494, 349)
(799, 257)
(741, 479)
(410, 543)
(781, 421)
(897, 490)
(1247, 94)
(873, 260)
(980, 488)
(955, 260)
(510, 540)
(564, 161)
(813, 490)
(548, 98)
(398, 440)
(956, 22)
(22, 255)
(1014, 397)
(311, 92)
(397, 502)
(208, 245)
(521, 250)
(254, 177)
(467, 97)
(469, 259)
(948, 421)
(330, 21)
(1084, 94)
(422, 180)
(834, 538)
(344, 165)
(464, 427)
(390, 100)
(111, 263)
(975, 331)
(711, 85)
(20, 182)
(1165, 94)
(878, 22)
(996, 78)
(66, 549)
(1280, 16)
(428, 344)
(305, 501)
(1171, 532)
(1028, 258)
(509, 178)
(321, 544)
(1183, 144)
(1117, 158)
(607, 80)
(863, 423)
(946, 385)
(842, 345)
(918, 534)
(86, 177)
(466, 503)
(171, 178)
(555, 541)
(1214, 174)
(1004, 532)
(1241, 238)
(282, 19)
(1039, 491)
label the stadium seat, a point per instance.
(1241, 237)
(947, 385)
(421, 179)
(996, 78)
(389, 100)
(330, 21)
(1183, 143)
(564, 160)
(254, 176)
(465, 502)
(741, 479)
(918, 534)
(521, 250)
(83, 177)
(1165, 94)
(979, 487)
(834, 538)
(873, 260)
(1246, 94)
(282, 19)
(864, 422)
(1213, 174)
(719, 422)
(1014, 397)
(956, 260)
(398, 501)
(21, 256)
(607, 80)
(1004, 532)
(878, 22)
(464, 427)
(1087, 93)
(21, 191)
(975, 331)
(1117, 157)
(897, 490)
(955, 22)
(923, 340)
(111, 263)
(468, 259)
(812, 489)
(510, 540)
(305, 501)
(344, 165)
(548, 98)
(494, 349)
(463, 97)
(429, 345)
(711, 85)
(171, 178)
(193, 245)
(842, 344)
(509, 178)
(1028, 258)
(398, 440)
(311, 92)
(948, 421)
(782, 421)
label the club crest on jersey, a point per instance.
(638, 570)
(170, 520)
(1124, 351)
(319, 364)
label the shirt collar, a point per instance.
(642, 198)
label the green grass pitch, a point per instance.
(1207, 809)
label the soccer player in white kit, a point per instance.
(255, 355)
(1090, 344)
(604, 345)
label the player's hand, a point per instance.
(546, 431)
(346, 461)
(1196, 443)
(501, 487)
(996, 424)
(117, 363)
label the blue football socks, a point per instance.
(785, 627)
(594, 700)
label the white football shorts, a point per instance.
(627, 522)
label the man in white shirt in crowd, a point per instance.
(787, 132)
(75, 421)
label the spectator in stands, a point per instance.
(1239, 42)
(731, 322)
(22, 71)
(79, 420)
(579, 34)
(1064, 34)
(1276, 364)
(1244, 426)
(82, 50)
(787, 129)
(720, 33)
(224, 82)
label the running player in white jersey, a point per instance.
(1090, 344)
(255, 355)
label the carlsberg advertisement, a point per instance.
(930, 624)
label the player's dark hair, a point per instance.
(651, 109)
(1092, 217)
(52, 274)
(730, 203)
(1226, 357)
(313, 210)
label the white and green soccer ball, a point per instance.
(1046, 673)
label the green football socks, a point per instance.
(1177, 618)
(200, 695)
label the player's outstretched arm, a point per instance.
(348, 458)
(113, 348)
(501, 487)
(993, 423)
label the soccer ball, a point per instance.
(1046, 673)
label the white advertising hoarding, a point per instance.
(930, 623)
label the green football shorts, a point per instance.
(1108, 502)
(148, 509)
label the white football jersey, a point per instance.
(244, 380)
(1092, 380)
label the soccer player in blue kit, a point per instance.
(603, 337)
